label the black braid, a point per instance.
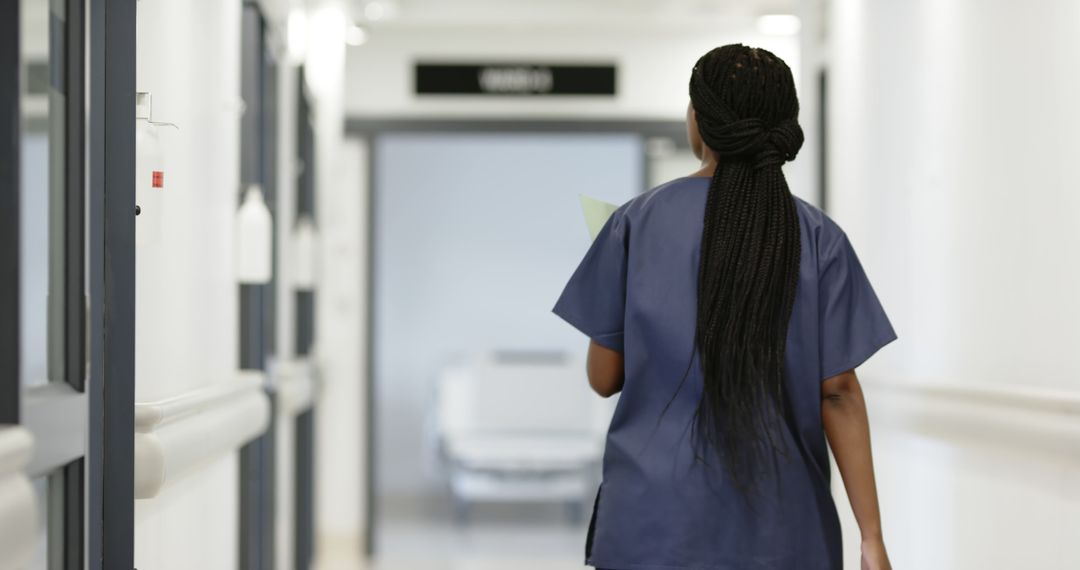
(747, 110)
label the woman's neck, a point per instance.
(708, 167)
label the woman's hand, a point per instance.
(874, 556)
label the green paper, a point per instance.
(597, 213)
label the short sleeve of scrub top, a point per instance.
(853, 323)
(594, 300)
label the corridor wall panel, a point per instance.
(952, 167)
(186, 312)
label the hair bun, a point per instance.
(782, 143)
(751, 141)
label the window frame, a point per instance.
(83, 427)
(56, 413)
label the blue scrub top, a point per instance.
(658, 508)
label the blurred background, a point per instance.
(355, 217)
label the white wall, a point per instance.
(953, 163)
(189, 58)
(342, 348)
(341, 213)
(951, 167)
(653, 71)
(340, 220)
(652, 77)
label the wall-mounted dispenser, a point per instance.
(149, 173)
(254, 239)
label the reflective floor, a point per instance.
(493, 538)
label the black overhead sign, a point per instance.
(529, 79)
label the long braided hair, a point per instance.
(746, 107)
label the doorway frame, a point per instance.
(368, 130)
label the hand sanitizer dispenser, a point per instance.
(254, 239)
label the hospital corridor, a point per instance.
(394, 284)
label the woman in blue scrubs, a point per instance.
(731, 317)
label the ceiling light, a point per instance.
(779, 24)
(325, 62)
(374, 11)
(355, 35)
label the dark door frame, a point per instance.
(369, 130)
(111, 452)
(257, 302)
(304, 301)
(10, 138)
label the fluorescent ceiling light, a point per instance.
(779, 24)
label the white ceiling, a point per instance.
(597, 14)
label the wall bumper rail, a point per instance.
(18, 506)
(1033, 419)
(181, 434)
(297, 384)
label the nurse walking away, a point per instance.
(731, 316)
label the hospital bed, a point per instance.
(516, 426)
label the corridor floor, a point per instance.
(536, 538)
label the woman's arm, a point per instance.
(605, 370)
(843, 411)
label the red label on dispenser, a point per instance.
(157, 179)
